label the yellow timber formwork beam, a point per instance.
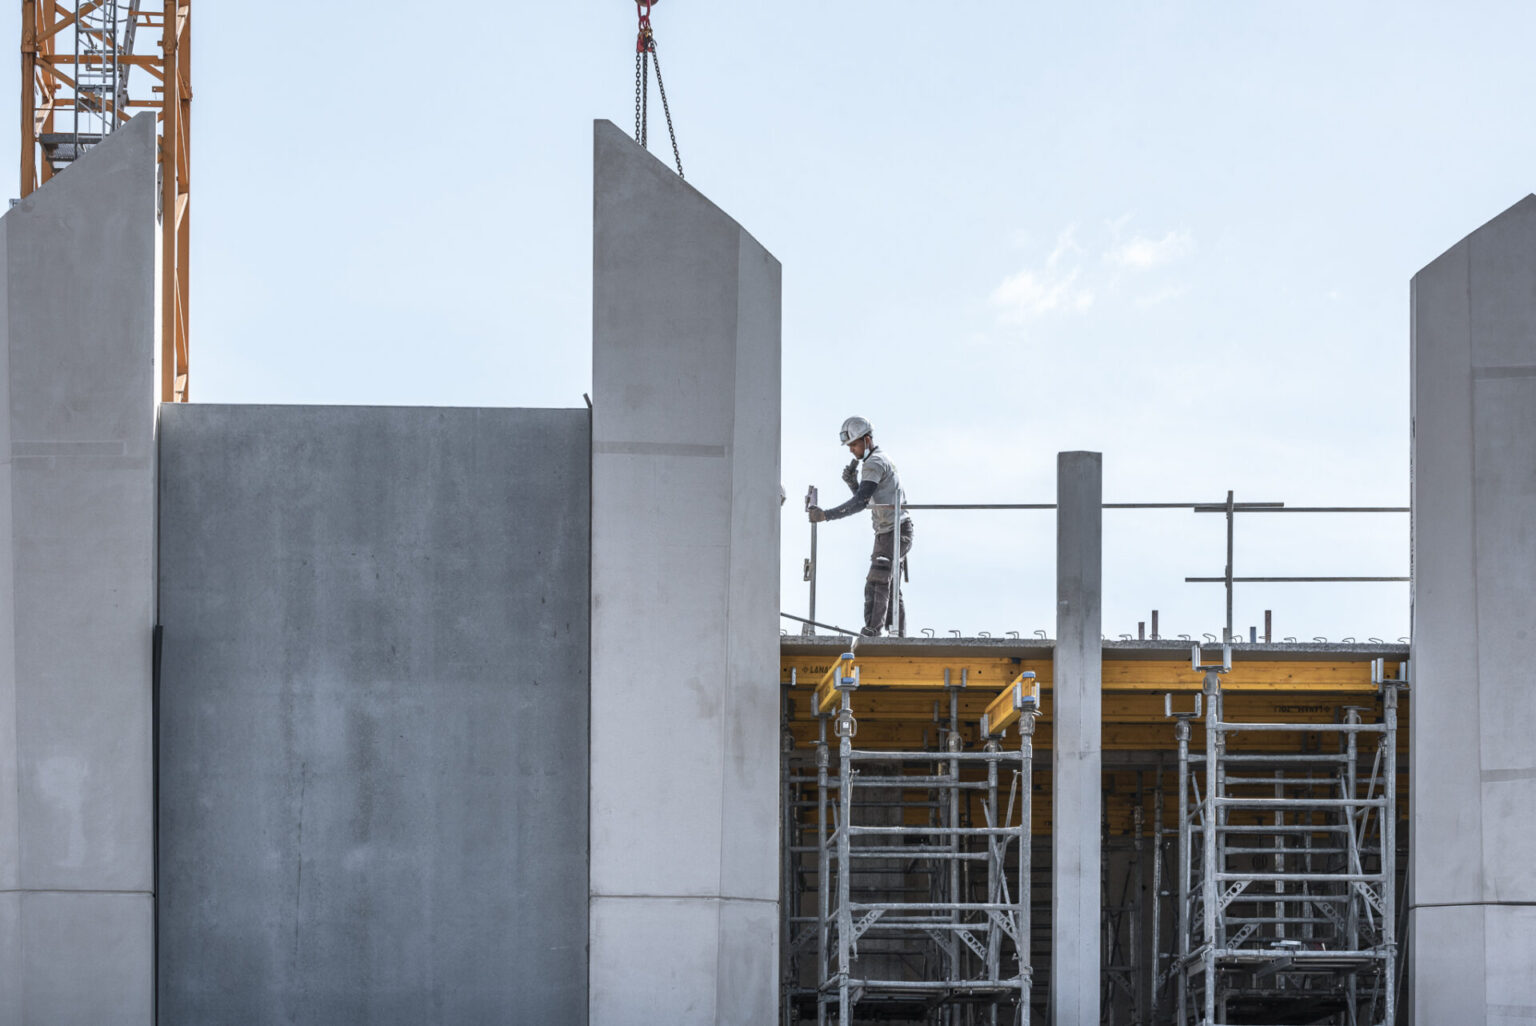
(901, 703)
(991, 673)
(841, 673)
(1004, 710)
(896, 699)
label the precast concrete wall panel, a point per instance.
(685, 543)
(1474, 550)
(373, 728)
(77, 589)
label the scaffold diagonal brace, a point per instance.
(1371, 897)
(972, 943)
(870, 918)
(1005, 923)
(1232, 892)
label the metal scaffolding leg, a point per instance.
(1287, 868)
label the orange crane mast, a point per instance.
(78, 83)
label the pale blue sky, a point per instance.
(1178, 233)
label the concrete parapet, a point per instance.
(1473, 838)
(77, 593)
(685, 544)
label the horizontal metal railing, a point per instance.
(1229, 508)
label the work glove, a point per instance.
(851, 475)
(816, 514)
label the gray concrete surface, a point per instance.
(1077, 753)
(77, 590)
(374, 715)
(685, 546)
(1474, 554)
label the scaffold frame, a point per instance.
(1286, 866)
(926, 907)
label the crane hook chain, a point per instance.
(645, 54)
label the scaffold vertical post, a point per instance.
(1026, 835)
(823, 892)
(1181, 733)
(1210, 889)
(845, 728)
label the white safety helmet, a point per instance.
(854, 428)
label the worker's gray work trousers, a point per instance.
(877, 586)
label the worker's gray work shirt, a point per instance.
(877, 467)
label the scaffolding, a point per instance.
(1285, 868)
(1123, 916)
(906, 874)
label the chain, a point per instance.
(639, 92)
(666, 110)
(645, 101)
(645, 52)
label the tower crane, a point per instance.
(87, 67)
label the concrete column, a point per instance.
(77, 590)
(1473, 903)
(685, 543)
(1077, 757)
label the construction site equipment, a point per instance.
(77, 86)
(1286, 868)
(895, 897)
(903, 703)
(645, 56)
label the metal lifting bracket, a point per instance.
(1225, 666)
(1403, 680)
(1168, 708)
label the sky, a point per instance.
(1180, 234)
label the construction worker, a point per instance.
(872, 478)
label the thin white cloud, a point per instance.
(1143, 254)
(1029, 294)
(1066, 245)
(1071, 280)
(1053, 288)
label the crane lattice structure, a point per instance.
(78, 83)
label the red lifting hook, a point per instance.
(643, 40)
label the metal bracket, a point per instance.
(845, 683)
(1168, 708)
(1222, 667)
(1404, 678)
